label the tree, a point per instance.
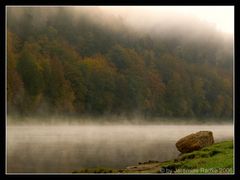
(58, 90)
(30, 73)
(68, 62)
(15, 88)
(100, 79)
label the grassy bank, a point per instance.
(217, 158)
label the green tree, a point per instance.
(30, 73)
(58, 90)
(100, 79)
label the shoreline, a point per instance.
(217, 158)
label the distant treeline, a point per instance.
(69, 63)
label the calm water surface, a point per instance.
(65, 148)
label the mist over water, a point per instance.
(65, 148)
(169, 46)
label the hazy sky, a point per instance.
(220, 16)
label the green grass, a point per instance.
(215, 159)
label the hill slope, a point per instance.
(60, 61)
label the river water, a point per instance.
(65, 148)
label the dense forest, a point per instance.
(82, 62)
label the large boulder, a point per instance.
(195, 141)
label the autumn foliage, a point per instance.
(81, 67)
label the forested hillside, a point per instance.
(63, 61)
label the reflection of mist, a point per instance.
(64, 148)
